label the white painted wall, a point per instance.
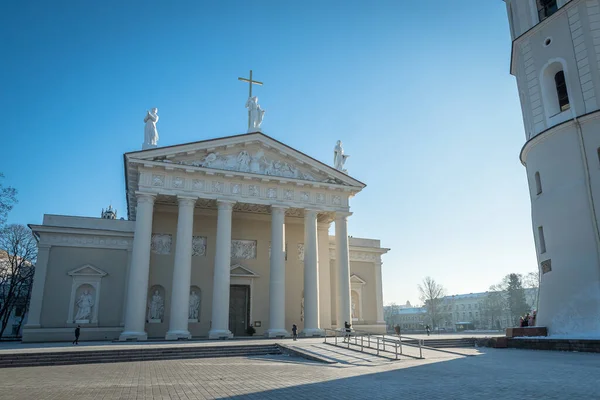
(567, 160)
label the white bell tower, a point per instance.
(556, 60)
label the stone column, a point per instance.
(344, 309)
(180, 289)
(379, 293)
(137, 290)
(37, 290)
(277, 275)
(220, 305)
(311, 276)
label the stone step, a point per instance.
(146, 354)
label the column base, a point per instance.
(125, 336)
(277, 333)
(312, 332)
(179, 334)
(220, 334)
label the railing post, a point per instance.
(361, 344)
(420, 348)
(377, 346)
(325, 335)
(383, 342)
(396, 351)
(400, 344)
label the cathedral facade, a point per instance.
(220, 235)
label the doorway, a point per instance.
(239, 309)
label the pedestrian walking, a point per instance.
(77, 333)
(427, 329)
(397, 329)
(347, 329)
(295, 332)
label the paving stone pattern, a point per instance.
(491, 374)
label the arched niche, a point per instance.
(85, 294)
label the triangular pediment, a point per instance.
(357, 279)
(248, 154)
(87, 270)
(240, 270)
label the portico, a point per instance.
(246, 174)
(222, 235)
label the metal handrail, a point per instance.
(379, 343)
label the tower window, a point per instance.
(599, 154)
(546, 8)
(561, 91)
(538, 183)
(541, 239)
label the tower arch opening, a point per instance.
(555, 92)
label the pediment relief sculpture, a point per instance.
(255, 162)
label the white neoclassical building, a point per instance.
(221, 234)
(556, 61)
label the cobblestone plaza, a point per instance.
(478, 373)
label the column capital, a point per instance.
(311, 212)
(342, 214)
(279, 210)
(225, 204)
(143, 197)
(187, 200)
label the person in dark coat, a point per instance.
(295, 332)
(397, 329)
(77, 333)
(347, 329)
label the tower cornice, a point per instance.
(534, 29)
(546, 134)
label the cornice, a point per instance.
(534, 29)
(546, 134)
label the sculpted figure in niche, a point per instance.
(84, 305)
(354, 310)
(339, 159)
(156, 306)
(150, 132)
(194, 305)
(256, 113)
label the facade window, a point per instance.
(561, 91)
(546, 8)
(538, 183)
(541, 239)
(469, 306)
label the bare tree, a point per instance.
(8, 198)
(431, 294)
(18, 252)
(531, 281)
(494, 306)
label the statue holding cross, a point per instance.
(255, 112)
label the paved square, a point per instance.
(490, 374)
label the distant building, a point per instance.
(458, 313)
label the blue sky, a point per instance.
(419, 92)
